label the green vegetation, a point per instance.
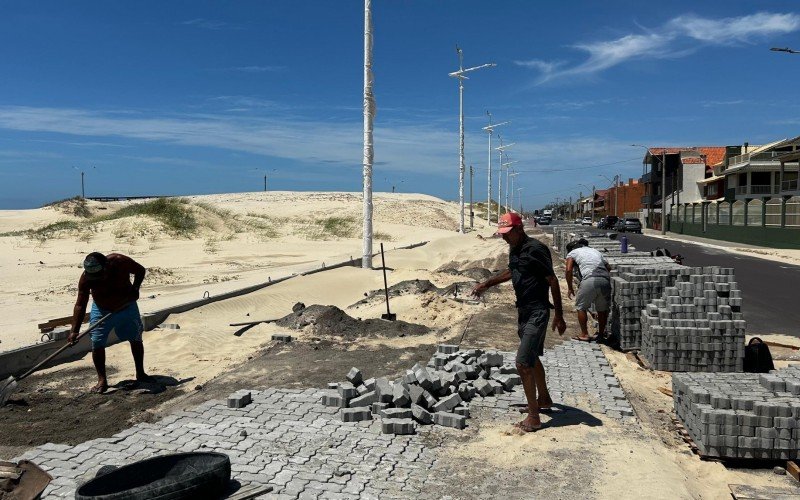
(338, 227)
(175, 213)
(76, 206)
(379, 236)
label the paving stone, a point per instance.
(355, 377)
(421, 415)
(366, 399)
(383, 390)
(447, 419)
(400, 396)
(447, 403)
(239, 399)
(355, 414)
(398, 426)
(347, 391)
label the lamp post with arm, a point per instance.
(490, 129)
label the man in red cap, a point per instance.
(530, 269)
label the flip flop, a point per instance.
(581, 339)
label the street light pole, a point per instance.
(490, 129)
(460, 74)
(83, 191)
(471, 212)
(519, 199)
(511, 188)
(369, 115)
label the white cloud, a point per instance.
(670, 40)
(735, 29)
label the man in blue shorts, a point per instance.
(107, 278)
(530, 269)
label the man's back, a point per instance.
(589, 261)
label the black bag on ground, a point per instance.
(757, 358)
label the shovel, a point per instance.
(390, 316)
(9, 385)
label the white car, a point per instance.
(587, 221)
(578, 220)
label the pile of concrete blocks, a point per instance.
(437, 393)
(741, 415)
(633, 287)
(697, 325)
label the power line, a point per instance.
(552, 170)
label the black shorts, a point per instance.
(532, 329)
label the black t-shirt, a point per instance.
(530, 264)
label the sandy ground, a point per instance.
(577, 458)
(243, 239)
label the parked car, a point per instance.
(586, 221)
(628, 225)
(545, 220)
(608, 222)
(577, 221)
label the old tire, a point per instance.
(167, 477)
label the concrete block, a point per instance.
(239, 399)
(378, 407)
(347, 391)
(397, 426)
(355, 414)
(450, 420)
(490, 359)
(396, 413)
(446, 404)
(334, 400)
(383, 390)
(355, 377)
(446, 349)
(366, 399)
(401, 398)
(421, 415)
(462, 410)
(280, 337)
(483, 387)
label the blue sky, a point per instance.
(153, 97)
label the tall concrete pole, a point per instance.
(369, 114)
(489, 182)
(471, 212)
(461, 150)
(663, 192)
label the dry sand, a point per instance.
(243, 239)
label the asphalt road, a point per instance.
(771, 302)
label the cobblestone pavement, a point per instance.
(287, 439)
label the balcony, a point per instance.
(645, 201)
(741, 190)
(760, 189)
(645, 179)
(790, 185)
(765, 157)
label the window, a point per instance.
(754, 210)
(793, 212)
(698, 214)
(773, 210)
(711, 213)
(737, 213)
(724, 211)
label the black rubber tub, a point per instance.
(178, 476)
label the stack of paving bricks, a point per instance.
(633, 288)
(438, 393)
(741, 415)
(697, 326)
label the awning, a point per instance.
(711, 179)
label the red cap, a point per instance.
(507, 222)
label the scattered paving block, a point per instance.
(497, 387)
(483, 387)
(417, 395)
(383, 390)
(400, 396)
(334, 400)
(396, 413)
(347, 391)
(333, 385)
(370, 384)
(446, 404)
(400, 426)
(378, 407)
(239, 399)
(462, 410)
(446, 349)
(508, 381)
(362, 389)
(355, 377)
(449, 420)
(366, 399)
(355, 414)
(282, 337)
(491, 359)
(421, 415)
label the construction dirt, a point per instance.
(332, 321)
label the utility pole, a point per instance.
(369, 115)
(593, 195)
(83, 191)
(490, 129)
(265, 183)
(471, 212)
(460, 75)
(663, 191)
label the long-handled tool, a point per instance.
(8, 386)
(389, 315)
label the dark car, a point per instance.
(628, 225)
(608, 222)
(545, 220)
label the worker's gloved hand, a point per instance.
(71, 337)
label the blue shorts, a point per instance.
(127, 325)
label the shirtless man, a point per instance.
(107, 279)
